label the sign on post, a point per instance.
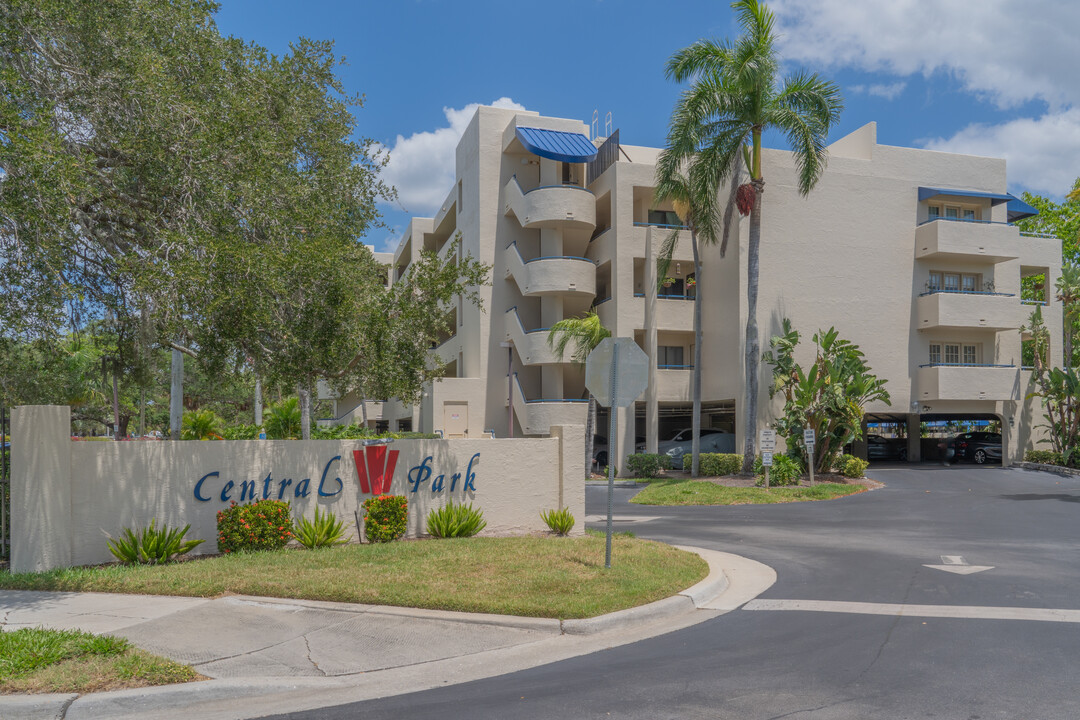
(767, 441)
(766, 459)
(809, 438)
(616, 373)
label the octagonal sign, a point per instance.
(622, 359)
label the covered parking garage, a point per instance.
(899, 437)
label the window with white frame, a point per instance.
(954, 282)
(950, 353)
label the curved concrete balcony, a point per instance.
(558, 275)
(531, 346)
(537, 416)
(969, 382)
(567, 207)
(982, 311)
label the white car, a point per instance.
(712, 441)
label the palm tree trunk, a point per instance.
(590, 423)
(305, 410)
(1067, 360)
(695, 422)
(753, 348)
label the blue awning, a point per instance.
(1018, 209)
(557, 145)
(925, 193)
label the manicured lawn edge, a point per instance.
(698, 492)
(549, 577)
(36, 660)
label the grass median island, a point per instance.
(533, 576)
(33, 660)
(682, 491)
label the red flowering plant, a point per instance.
(261, 525)
(385, 517)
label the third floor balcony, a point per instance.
(967, 240)
(968, 310)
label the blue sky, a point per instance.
(986, 77)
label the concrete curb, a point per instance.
(1055, 469)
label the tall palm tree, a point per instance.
(583, 334)
(736, 95)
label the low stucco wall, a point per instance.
(68, 497)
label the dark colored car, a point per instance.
(979, 447)
(881, 448)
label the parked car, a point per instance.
(600, 450)
(712, 441)
(980, 447)
(882, 448)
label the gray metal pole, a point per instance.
(258, 401)
(611, 455)
(176, 395)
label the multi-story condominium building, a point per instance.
(909, 253)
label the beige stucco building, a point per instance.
(908, 253)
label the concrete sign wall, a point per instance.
(67, 497)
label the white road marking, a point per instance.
(971, 612)
(957, 564)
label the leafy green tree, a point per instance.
(828, 397)
(581, 335)
(1059, 389)
(1062, 220)
(201, 425)
(736, 95)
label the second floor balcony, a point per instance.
(968, 381)
(968, 310)
(952, 239)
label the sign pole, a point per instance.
(611, 455)
(809, 441)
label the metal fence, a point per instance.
(5, 487)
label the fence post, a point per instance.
(40, 488)
(571, 470)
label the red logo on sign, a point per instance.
(379, 468)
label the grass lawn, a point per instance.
(535, 576)
(696, 492)
(70, 661)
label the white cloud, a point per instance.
(1042, 154)
(1006, 51)
(421, 166)
(889, 92)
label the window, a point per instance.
(669, 356)
(664, 217)
(935, 282)
(459, 193)
(952, 213)
(952, 354)
(952, 282)
(969, 215)
(969, 283)
(935, 354)
(934, 211)
(955, 353)
(970, 355)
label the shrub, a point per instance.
(452, 521)
(200, 425)
(1044, 457)
(851, 466)
(785, 470)
(604, 470)
(261, 525)
(324, 531)
(241, 432)
(714, 464)
(385, 517)
(561, 522)
(151, 546)
(356, 431)
(647, 464)
(283, 420)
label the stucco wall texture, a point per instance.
(69, 497)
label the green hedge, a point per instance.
(785, 470)
(715, 464)
(851, 466)
(1045, 457)
(645, 465)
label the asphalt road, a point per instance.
(829, 659)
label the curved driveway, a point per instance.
(856, 626)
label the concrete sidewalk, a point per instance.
(267, 656)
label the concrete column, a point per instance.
(652, 409)
(624, 429)
(41, 535)
(571, 469)
(914, 438)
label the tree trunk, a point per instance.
(753, 348)
(1067, 358)
(142, 411)
(695, 422)
(258, 402)
(363, 410)
(115, 404)
(590, 423)
(176, 395)
(305, 411)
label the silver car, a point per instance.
(712, 441)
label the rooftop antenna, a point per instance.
(607, 124)
(595, 127)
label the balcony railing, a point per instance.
(660, 296)
(964, 220)
(971, 365)
(674, 367)
(662, 225)
(1033, 302)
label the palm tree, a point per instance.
(584, 334)
(1068, 294)
(200, 425)
(735, 96)
(283, 421)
